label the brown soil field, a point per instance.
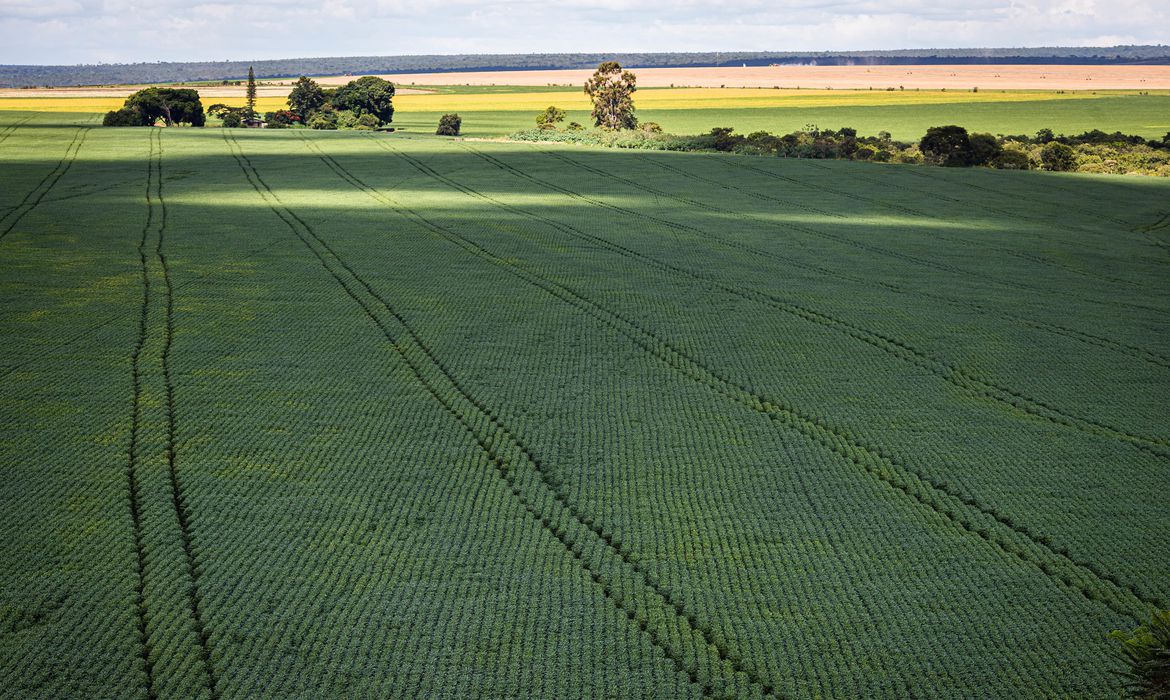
(1003, 77)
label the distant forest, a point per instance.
(134, 73)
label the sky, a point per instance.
(120, 31)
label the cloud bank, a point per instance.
(93, 31)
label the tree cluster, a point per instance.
(146, 107)
(365, 103)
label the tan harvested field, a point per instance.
(1005, 77)
(221, 91)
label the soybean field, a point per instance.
(292, 414)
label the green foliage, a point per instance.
(985, 148)
(366, 95)
(449, 125)
(326, 119)
(611, 89)
(1146, 653)
(281, 119)
(125, 116)
(1058, 157)
(550, 117)
(463, 419)
(346, 119)
(250, 96)
(948, 146)
(1011, 159)
(367, 122)
(306, 97)
(172, 105)
(651, 127)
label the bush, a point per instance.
(346, 119)
(984, 149)
(449, 125)
(1146, 650)
(574, 126)
(1011, 159)
(124, 117)
(651, 127)
(948, 146)
(367, 122)
(1058, 157)
(233, 119)
(281, 119)
(324, 120)
(549, 117)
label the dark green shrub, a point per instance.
(324, 120)
(949, 146)
(1058, 157)
(281, 119)
(1011, 159)
(367, 122)
(651, 127)
(449, 125)
(574, 126)
(346, 119)
(984, 149)
(1146, 651)
(124, 117)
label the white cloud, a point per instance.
(76, 31)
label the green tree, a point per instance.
(449, 125)
(367, 95)
(612, 90)
(306, 97)
(984, 148)
(947, 145)
(172, 105)
(1058, 157)
(549, 117)
(1146, 651)
(250, 107)
(123, 117)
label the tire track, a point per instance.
(953, 374)
(13, 127)
(144, 647)
(178, 500)
(961, 509)
(34, 197)
(945, 267)
(1098, 341)
(155, 497)
(525, 474)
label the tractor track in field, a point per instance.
(145, 651)
(1082, 336)
(50, 180)
(155, 227)
(13, 127)
(506, 452)
(1029, 257)
(1085, 578)
(757, 399)
(945, 267)
(953, 374)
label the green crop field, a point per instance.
(292, 414)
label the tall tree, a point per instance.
(306, 97)
(367, 95)
(612, 90)
(251, 106)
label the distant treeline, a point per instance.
(136, 73)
